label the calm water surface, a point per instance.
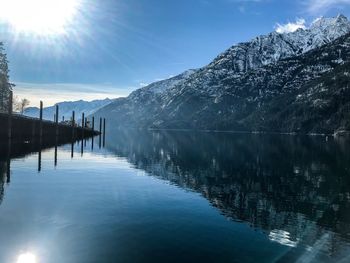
(179, 197)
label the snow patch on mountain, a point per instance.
(164, 85)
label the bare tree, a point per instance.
(20, 105)
(24, 103)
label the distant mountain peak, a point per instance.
(342, 17)
(66, 108)
(325, 22)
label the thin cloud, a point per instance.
(291, 27)
(242, 9)
(58, 92)
(319, 6)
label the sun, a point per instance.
(26, 258)
(40, 17)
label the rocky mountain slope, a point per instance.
(247, 87)
(66, 108)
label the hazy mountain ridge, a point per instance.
(241, 85)
(66, 108)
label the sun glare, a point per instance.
(41, 17)
(26, 258)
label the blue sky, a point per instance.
(112, 47)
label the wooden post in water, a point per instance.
(93, 131)
(41, 121)
(40, 135)
(82, 147)
(73, 124)
(56, 152)
(82, 120)
(104, 132)
(72, 150)
(56, 120)
(100, 137)
(39, 160)
(82, 124)
(100, 126)
(9, 128)
(85, 126)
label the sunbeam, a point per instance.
(39, 17)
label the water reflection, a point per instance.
(9, 151)
(5, 172)
(39, 160)
(296, 189)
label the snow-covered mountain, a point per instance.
(267, 49)
(163, 85)
(66, 108)
(231, 92)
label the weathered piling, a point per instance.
(82, 124)
(93, 128)
(82, 119)
(104, 132)
(100, 125)
(82, 148)
(56, 120)
(73, 125)
(55, 161)
(100, 138)
(39, 159)
(41, 121)
(72, 150)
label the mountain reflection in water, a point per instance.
(296, 190)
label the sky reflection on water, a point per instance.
(179, 197)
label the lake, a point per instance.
(151, 196)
